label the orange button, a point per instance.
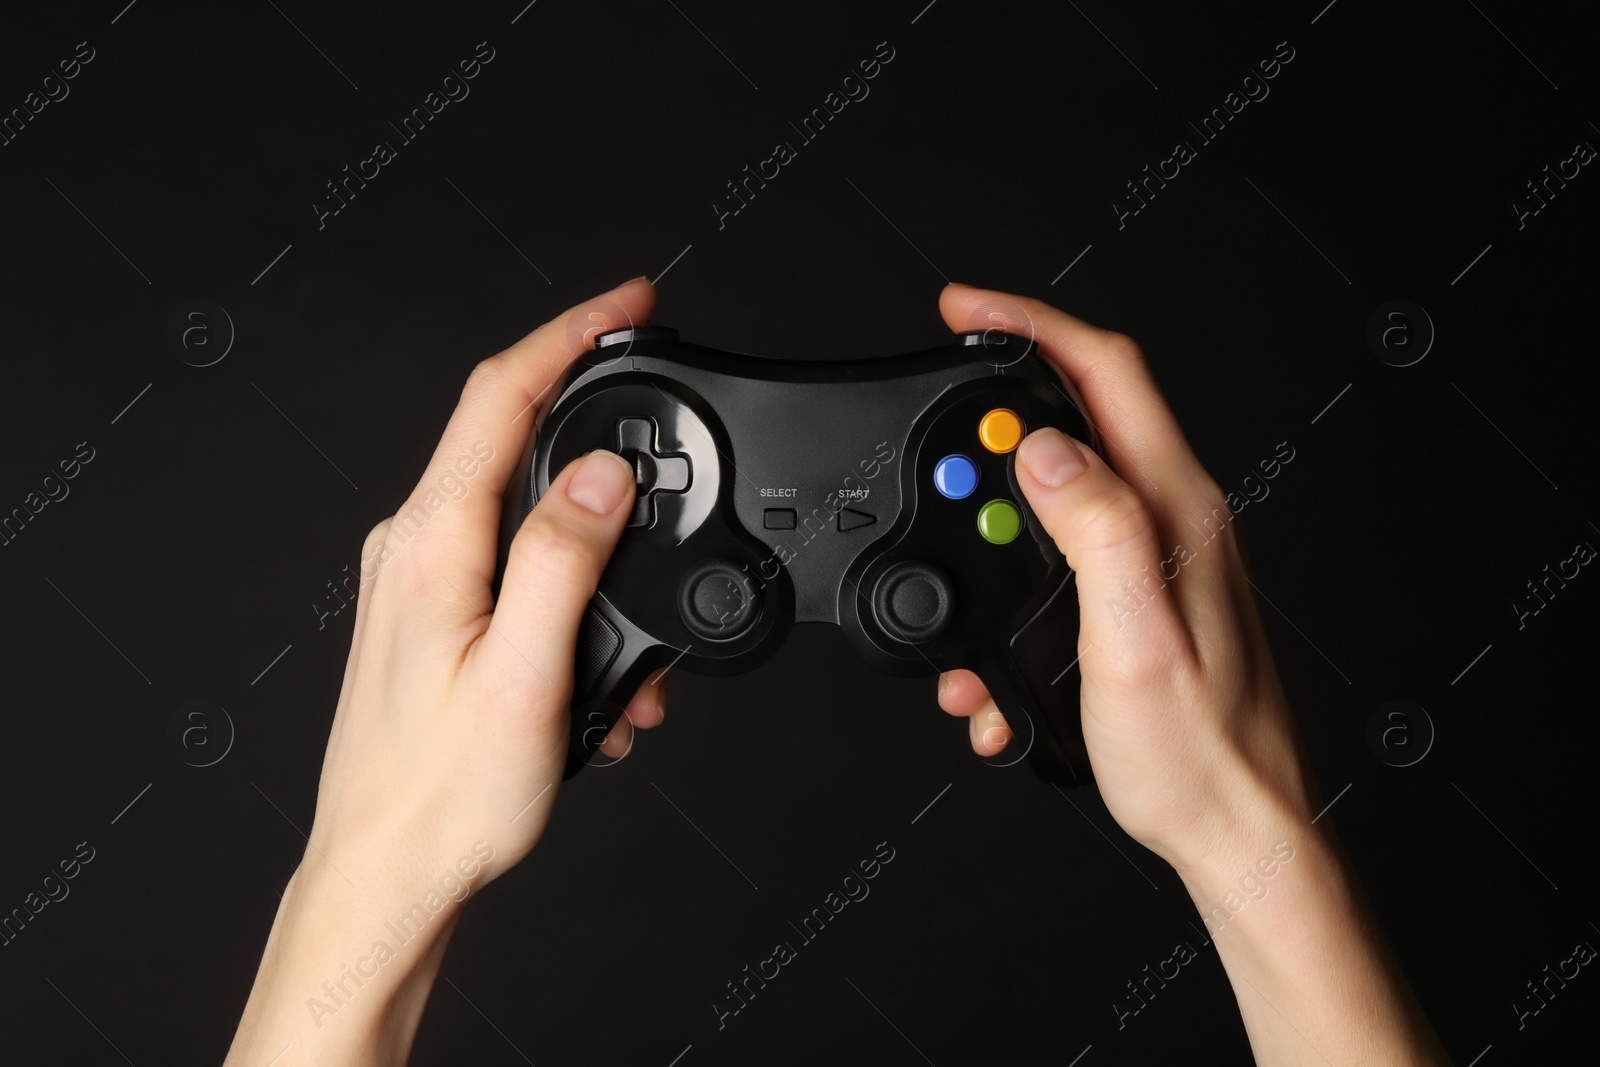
(1000, 430)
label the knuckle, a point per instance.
(487, 377)
(1212, 516)
(374, 552)
(376, 538)
(487, 371)
(409, 555)
(553, 547)
(1115, 518)
(1121, 346)
(1205, 489)
(1151, 671)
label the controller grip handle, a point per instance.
(1034, 681)
(613, 659)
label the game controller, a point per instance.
(878, 496)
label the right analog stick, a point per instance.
(914, 602)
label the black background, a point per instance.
(192, 549)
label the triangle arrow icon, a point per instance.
(851, 519)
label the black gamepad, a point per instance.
(879, 496)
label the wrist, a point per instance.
(381, 951)
(1237, 880)
(1233, 812)
(347, 968)
(1255, 839)
(1304, 955)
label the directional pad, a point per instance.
(654, 471)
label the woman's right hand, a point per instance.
(1187, 725)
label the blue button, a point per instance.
(955, 477)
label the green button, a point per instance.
(999, 521)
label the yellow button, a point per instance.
(1000, 430)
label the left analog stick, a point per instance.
(718, 602)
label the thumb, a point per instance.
(554, 565)
(1103, 527)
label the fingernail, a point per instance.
(600, 482)
(1051, 456)
(635, 278)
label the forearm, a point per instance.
(344, 977)
(1313, 976)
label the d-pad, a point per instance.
(654, 471)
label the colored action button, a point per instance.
(999, 522)
(1000, 430)
(955, 477)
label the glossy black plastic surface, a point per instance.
(778, 492)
